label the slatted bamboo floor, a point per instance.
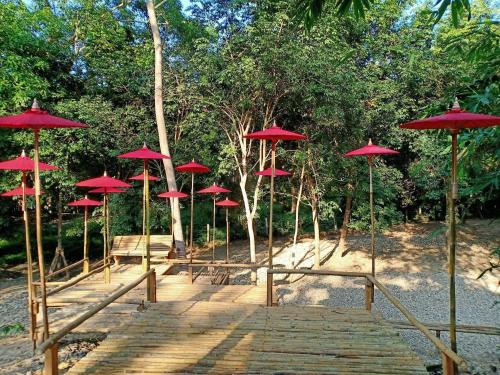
(67, 304)
(222, 337)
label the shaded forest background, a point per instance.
(232, 65)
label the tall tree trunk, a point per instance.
(293, 206)
(345, 222)
(297, 208)
(315, 216)
(162, 131)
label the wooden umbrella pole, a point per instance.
(85, 240)
(39, 245)
(148, 245)
(273, 171)
(107, 276)
(29, 261)
(191, 220)
(227, 235)
(452, 238)
(213, 233)
(144, 248)
(372, 216)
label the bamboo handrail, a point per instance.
(464, 328)
(307, 271)
(53, 339)
(225, 265)
(67, 268)
(75, 280)
(422, 328)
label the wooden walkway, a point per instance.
(208, 337)
(225, 329)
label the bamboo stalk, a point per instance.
(29, 260)
(227, 235)
(38, 215)
(452, 240)
(85, 241)
(273, 171)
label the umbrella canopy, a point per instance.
(274, 134)
(103, 182)
(36, 118)
(173, 194)
(18, 191)
(25, 163)
(456, 119)
(227, 203)
(371, 149)
(143, 153)
(214, 189)
(85, 202)
(192, 167)
(140, 177)
(269, 171)
(106, 190)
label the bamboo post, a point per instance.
(368, 295)
(452, 239)
(29, 260)
(85, 241)
(213, 232)
(51, 364)
(38, 214)
(107, 276)
(227, 235)
(273, 169)
(151, 291)
(208, 233)
(148, 246)
(269, 286)
(372, 216)
(449, 367)
(191, 220)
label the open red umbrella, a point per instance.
(145, 154)
(18, 192)
(371, 150)
(227, 203)
(172, 194)
(269, 172)
(86, 203)
(274, 134)
(193, 168)
(454, 120)
(213, 190)
(140, 177)
(37, 119)
(24, 164)
(105, 185)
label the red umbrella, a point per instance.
(24, 163)
(86, 203)
(454, 120)
(37, 119)
(192, 167)
(145, 154)
(274, 134)
(227, 203)
(269, 172)
(18, 191)
(371, 150)
(172, 194)
(105, 185)
(140, 177)
(213, 190)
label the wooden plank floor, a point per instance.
(228, 337)
(75, 300)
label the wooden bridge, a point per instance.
(204, 328)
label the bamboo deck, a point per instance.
(207, 337)
(226, 329)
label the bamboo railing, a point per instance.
(50, 346)
(450, 360)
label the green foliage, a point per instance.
(11, 329)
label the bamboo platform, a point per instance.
(69, 303)
(226, 337)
